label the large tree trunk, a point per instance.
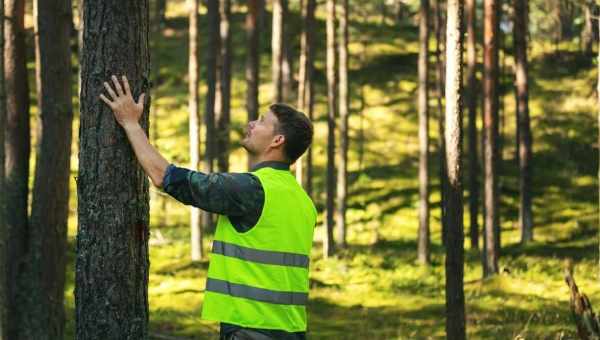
(111, 277)
(255, 10)
(305, 88)
(277, 49)
(472, 102)
(194, 123)
(423, 236)
(455, 298)
(4, 259)
(525, 143)
(328, 241)
(210, 143)
(490, 126)
(224, 104)
(17, 149)
(342, 152)
(43, 277)
(439, 44)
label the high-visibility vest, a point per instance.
(259, 278)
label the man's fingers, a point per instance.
(126, 86)
(110, 91)
(106, 100)
(140, 101)
(117, 85)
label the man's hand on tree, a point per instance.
(127, 111)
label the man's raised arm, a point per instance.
(127, 113)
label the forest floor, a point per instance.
(374, 289)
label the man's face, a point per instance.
(260, 134)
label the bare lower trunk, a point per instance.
(342, 152)
(111, 276)
(224, 115)
(328, 241)
(194, 123)
(4, 259)
(255, 10)
(473, 140)
(423, 235)
(455, 298)
(490, 125)
(525, 143)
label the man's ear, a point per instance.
(278, 140)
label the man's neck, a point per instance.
(260, 159)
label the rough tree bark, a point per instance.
(471, 12)
(328, 240)
(224, 75)
(342, 151)
(43, 276)
(490, 126)
(4, 259)
(111, 277)
(455, 298)
(194, 123)
(423, 100)
(17, 150)
(525, 140)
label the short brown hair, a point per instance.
(296, 127)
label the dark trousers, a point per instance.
(235, 332)
(246, 334)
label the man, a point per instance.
(257, 284)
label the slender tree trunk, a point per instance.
(286, 57)
(328, 240)
(194, 122)
(455, 298)
(525, 212)
(43, 277)
(255, 10)
(224, 105)
(212, 49)
(472, 91)
(439, 44)
(17, 150)
(342, 151)
(305, 88)
(160, 11)
(598, 90)
(111, 276)
(423, 236)
(587, 34)
(277, 49)
(490, 125)
(4, 259)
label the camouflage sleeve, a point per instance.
(230, 194)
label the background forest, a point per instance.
(371, 277)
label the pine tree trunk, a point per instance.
(598, 91)
(255, 10)
(342, 151)
(587, 34)
(440, 43)
(286, 57)
(423, 235)
(43, 275)
(17, 150)
(490, 126)
(328, 241)
(472, 102)
(525, 152)
(305, 88)
(194, 123)
(277, 49)
(455, 298)
(212, 49)
(4, 259)
(224, 112)
(111, 278)
(159, 14)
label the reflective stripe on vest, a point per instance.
(258, 294)
(260, 256)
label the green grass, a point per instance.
(374, 289)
